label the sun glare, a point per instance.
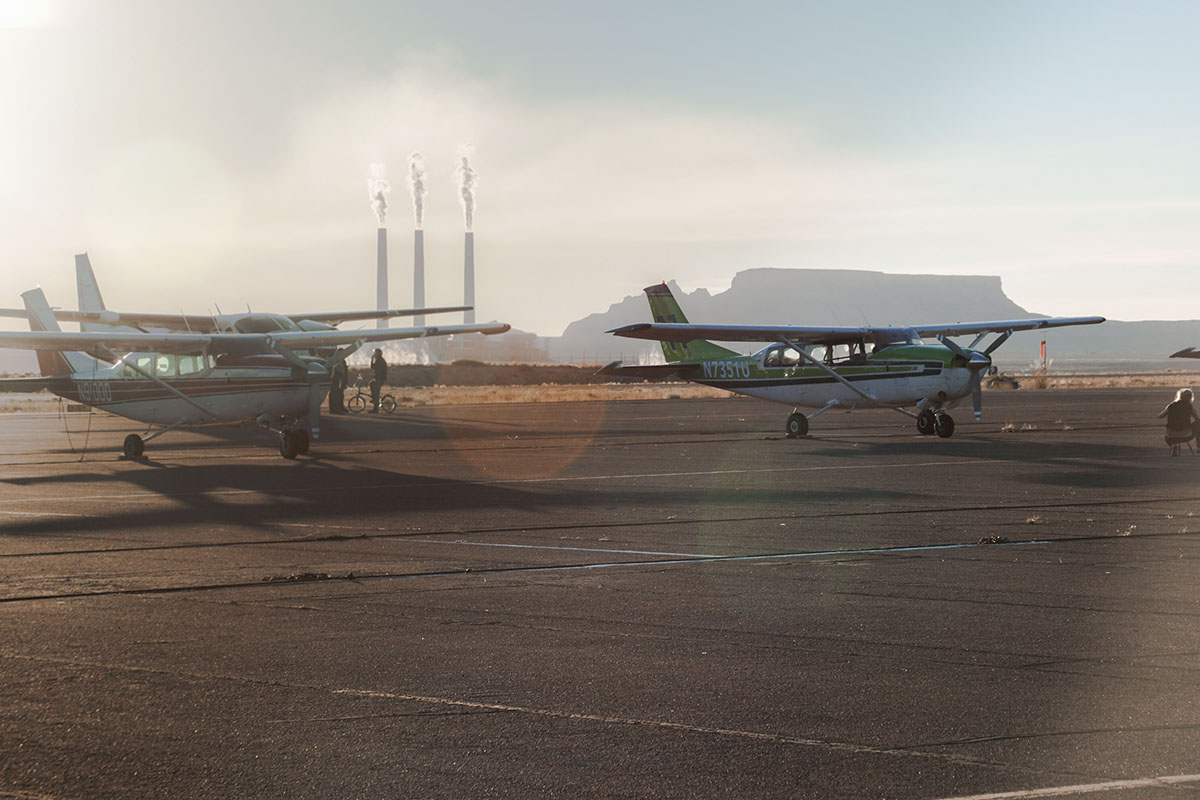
(26, 13)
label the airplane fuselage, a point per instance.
(897, 376)
(222, 392)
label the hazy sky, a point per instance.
(216, 153)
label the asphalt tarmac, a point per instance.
(629, 599)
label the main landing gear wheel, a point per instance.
(797, 426)
(926, 421)
(134, 446)
(293, 443)
(944, 426)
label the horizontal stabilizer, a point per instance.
(24, 384)
(650, 372)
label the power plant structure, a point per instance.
(469, 277)
(381, 280)
(419, 275)
(378, 188)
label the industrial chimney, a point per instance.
(419, 275)
(378, 189)
(469, 278)
(381, 282)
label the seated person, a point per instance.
(1180, 415)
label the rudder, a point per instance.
(664, 308)
(52, 363)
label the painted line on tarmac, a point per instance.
(1086, 788)
(574, 716)
(670, 725)
(472, 572)
(563, 547)
(40, 514)
(688, 558)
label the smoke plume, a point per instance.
(416, 187)
(466, 186)
(378, 188)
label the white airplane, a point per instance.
(824, 368)
(93, 315)
(262, 371)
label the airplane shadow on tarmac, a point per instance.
(1080, 464)
(249, 495)
(335, 431)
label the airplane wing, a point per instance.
(686, 332)
(338, 317)
(968, 328)
(1187, 352)
(104, 344)
(194, 323)
(183, 322)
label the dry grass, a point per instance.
(550, 393)
(1105, 380)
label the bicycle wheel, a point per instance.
(387, 404)
(357, 404)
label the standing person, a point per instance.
(379, 369)
(337, 388)
(1180, 415)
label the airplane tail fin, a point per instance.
(41, 318)
(90, 298)
(664, 308)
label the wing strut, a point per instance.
(830, 372)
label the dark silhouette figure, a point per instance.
(337, 388)
(1181, 420)
(379, 369)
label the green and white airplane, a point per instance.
(824, 368)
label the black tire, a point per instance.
(357, 404)
(926, 421)
(387, 404)
(287, 445)
(944, 426)
(302, 441)
(134, 446)
(797, 426)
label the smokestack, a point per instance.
(419, 275)
(378, 189)
(466, 195)
(381, 287)
(469, 278)
(416, 187)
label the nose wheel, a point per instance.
(939, 422)
(293, 443)
(797, 426)
(134, 446)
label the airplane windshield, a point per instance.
(781, 355)
(887, 337)
(264, 323)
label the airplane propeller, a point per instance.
(977, 363)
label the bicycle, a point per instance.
(358, 402)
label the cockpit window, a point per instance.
(264, 323)
(887, 337)
(781, 355)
